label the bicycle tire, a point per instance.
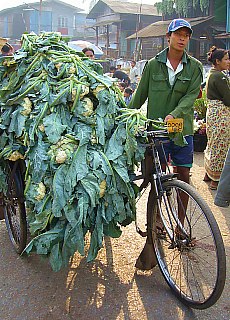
(14, 208)
(186, 268)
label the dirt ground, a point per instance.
(110, 287)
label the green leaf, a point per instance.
(78, 168)
(112, 230)
(115, 146)
(55, 257)
(91, 186)
(60, 195)
(17, 123)
(53, 127)
(38, 156)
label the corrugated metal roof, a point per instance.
(125, 7)
(223, 36)
(159, 28)
(37, 3)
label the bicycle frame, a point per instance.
(157, 139)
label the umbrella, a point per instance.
(78, 45)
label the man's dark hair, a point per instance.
(122, 84)
(112, 68)
(128, 90)
(5, 48)
(87, 49)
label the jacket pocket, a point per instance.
(182, 83)
(159, 83)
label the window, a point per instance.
(62, 22)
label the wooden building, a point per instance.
(116, 20)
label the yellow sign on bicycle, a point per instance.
(175, 125)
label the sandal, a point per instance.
(206, 178)
(213, 185)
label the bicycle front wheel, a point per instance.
(191, 256)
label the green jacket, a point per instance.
(163, 99)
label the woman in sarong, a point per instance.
(217, 117)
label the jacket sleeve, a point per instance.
(141, 93)
(187, 101)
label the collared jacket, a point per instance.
(164, 99)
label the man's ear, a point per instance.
(168, 35)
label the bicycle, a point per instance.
(188, 248)
(185, 250)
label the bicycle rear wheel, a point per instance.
(14, 207)
(191, 256)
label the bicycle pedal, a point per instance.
(172, 246)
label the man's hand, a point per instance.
(168, 117)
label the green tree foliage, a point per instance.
(181, 7)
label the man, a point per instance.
(89, 52)
(122, 76)
(128, 95)
(133, 74)
(171, 83)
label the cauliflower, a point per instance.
(41, 127)
(98, 88)
(15, 155)
(27, 105)
(88, 105)
(72, 69)
(58, 65)
(74, 92)
(93, 137)
(41, 190)
(84, 91)
(62, 150)
(61, 156)
(102, 188)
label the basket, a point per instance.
(199, 142)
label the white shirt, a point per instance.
(171, 72)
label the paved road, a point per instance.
(108, 288)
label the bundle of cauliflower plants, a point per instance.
(70, 127)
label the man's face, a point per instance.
(179, 39)
(89, 54)
(133, 64)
